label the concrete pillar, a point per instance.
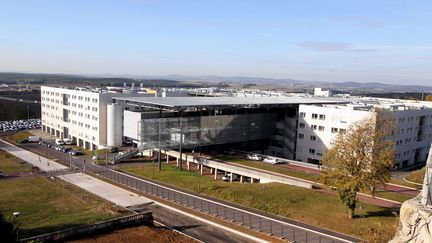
(215, 173)
(231, 177)
(167, 156)
(211, 170)
(241, 179)
(252, 180)
(187, 163)
(177, 160)
(201, 169)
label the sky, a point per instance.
(388, 41)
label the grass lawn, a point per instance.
(47, 205)
(399, 197)
(404, 183)
(16, 137)
(417, 176)
(308, 176)
(10, 163)
(316, 208)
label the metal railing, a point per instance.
(248, 219)
(62, 235)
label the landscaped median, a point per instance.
(375, 224)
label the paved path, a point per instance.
(109, 192)
(32, 158)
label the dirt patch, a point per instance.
(140, 234)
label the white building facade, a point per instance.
(79, 114)
(319, 125)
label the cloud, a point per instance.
(332, 47)
(357, 20)
(324, 46)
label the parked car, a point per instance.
(271, 160)
(75, 152)
(254, 157)
(23, 141)
(59, 141)
(67, 141)
(227, 177)
(113, 149)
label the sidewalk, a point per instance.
(109, 192)
(42, 163)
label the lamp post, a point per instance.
(16, 214)
(106, 155)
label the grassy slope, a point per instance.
(417, 175)
(311, 177)
(47, 205)
(16, 137)
(320, 209)
(9, 163)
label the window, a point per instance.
(302, 115)
(312, 151)
(318, 154)
(314, 116)
(334, 130)
(301, 125)
(301, 135)
(313, 138)
(343, 119)
(314, 127)
(342, 130)
(322, 117)
(321, 128)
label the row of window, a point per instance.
(322, 128)
(314, 116)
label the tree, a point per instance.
(8, 230)
(360, 158)
(428, 97)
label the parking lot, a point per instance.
(18, 125)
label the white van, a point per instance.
(34, 139)
(59, 141)
(67, 141)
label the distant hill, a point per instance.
(177, 80)
(8, 77)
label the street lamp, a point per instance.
(16, 214)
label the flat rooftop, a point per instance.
(190, 102)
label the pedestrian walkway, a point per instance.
(42, 163)
(109, 192)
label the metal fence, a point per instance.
(73, 233)
(239, 216)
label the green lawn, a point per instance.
(404, 183)
(307, 176)
(9, 163)
(47, 205)
(399, 197)
(417, 176)
(316, 208)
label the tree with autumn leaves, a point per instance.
(360, 159)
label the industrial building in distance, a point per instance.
(291, 127)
